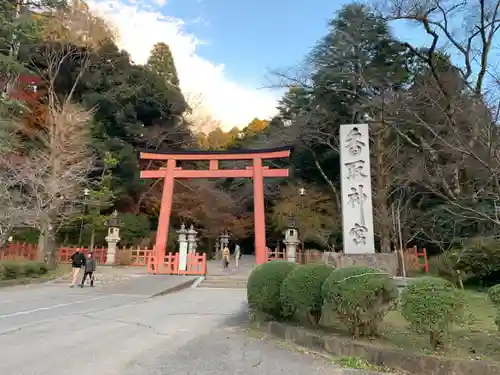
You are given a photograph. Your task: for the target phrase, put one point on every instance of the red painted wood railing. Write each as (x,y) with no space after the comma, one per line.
(196,265)
(125,256)
(421,257)
(18,250)
(423,261)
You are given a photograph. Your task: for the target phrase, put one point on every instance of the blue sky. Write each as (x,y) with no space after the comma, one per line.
(251,37)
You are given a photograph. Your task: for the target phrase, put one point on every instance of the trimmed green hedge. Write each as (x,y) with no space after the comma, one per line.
(360,297)
(301,291)
(431,305)
(494,295)
(16,270)
(264,285)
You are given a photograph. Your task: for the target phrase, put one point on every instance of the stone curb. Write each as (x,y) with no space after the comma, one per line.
(412,363)
(45,279)
(176,288)
(24,281)
(198,281)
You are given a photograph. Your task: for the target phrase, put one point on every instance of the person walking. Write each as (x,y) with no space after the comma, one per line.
(237,255)
(225,257)
(90,267)
(77,262)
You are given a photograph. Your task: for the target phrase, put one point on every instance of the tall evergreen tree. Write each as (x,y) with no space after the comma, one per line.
(356,68)
(162,62)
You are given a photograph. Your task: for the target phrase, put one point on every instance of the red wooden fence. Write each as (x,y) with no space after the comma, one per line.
(281,255)
(139,257)
(100,254)
(18,250)
(419,256)
(196,263)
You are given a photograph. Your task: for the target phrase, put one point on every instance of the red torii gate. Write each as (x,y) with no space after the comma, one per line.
(257,172)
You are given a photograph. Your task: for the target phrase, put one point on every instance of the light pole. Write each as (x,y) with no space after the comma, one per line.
(86,193)
(302,194)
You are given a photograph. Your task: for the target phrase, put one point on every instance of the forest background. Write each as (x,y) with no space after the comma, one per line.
(75,110)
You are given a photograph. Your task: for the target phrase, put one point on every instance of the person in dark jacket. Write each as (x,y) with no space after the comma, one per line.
(90,266)
(77,262)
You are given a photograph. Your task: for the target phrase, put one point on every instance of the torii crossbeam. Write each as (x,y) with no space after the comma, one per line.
(257,172)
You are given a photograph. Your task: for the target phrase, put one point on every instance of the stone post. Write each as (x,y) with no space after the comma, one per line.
(183,247)
(112,238)
(291,242)
(217,248)
(191,239)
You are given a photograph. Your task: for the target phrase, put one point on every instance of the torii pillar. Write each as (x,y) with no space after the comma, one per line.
(257,172)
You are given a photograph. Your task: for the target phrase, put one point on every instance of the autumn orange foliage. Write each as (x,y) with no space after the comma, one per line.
(210,209)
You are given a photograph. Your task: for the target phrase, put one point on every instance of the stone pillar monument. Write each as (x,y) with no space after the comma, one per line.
(291,242)
(191,239)
(113,237)
(357,211)
(183,247)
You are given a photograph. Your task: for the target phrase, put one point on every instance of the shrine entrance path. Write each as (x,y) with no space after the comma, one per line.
(246,265)
(194,331)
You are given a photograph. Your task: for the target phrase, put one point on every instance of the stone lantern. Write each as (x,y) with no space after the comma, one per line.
(224,240)
(113,237)
(191,239)
(291,241)
(183,247)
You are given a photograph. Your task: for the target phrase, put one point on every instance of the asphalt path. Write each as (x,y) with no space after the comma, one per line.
(55,330)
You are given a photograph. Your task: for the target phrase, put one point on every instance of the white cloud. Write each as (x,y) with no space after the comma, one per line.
(141,26)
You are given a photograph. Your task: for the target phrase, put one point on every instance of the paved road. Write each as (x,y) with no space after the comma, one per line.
(54,330)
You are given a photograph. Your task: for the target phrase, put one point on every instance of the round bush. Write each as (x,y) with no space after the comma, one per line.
(360,297)
(494,294)
(43,268)
(478,260)
(301,291)
(444,265)
(431,305)
(30,269)
(264,284)
(10,270)
(35,269)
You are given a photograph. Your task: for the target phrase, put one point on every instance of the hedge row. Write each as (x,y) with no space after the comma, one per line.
(494,294)
(359,298)
(16,270)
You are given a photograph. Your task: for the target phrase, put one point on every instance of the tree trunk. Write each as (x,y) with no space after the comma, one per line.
(46,245)
(92,240)
(50,249)
(381,185)
(314,317)
(436,340)
(459,280)
(41,246)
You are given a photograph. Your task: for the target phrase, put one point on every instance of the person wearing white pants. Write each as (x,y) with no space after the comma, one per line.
(77,262)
